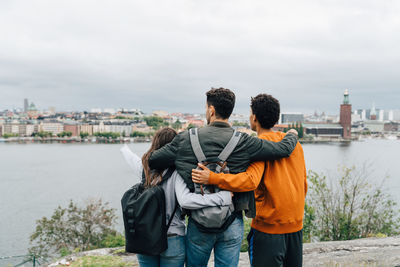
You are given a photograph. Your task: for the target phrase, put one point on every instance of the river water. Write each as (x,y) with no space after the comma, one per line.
(36,178)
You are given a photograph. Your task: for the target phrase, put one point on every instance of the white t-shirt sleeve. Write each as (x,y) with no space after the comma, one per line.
(133,161)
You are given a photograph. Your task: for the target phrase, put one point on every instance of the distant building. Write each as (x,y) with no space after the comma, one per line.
(394,115)
(72,127)
(32,111)
(109,110)
(329,130)
(196,123)
(239,118)
(345,116)
(374,126)
(292,117)
(95,110)
(52,110)
(391,126)
(26,105)
(160,113)
(86,128)
(55,127)
(280,127)
(372,116)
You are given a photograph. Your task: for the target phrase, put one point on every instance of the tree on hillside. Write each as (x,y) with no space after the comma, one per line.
(177,125)
(155,122)
(75,229)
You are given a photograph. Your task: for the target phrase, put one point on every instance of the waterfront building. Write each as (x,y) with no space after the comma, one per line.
(53,126)
(324,130)
(123,128)
(141,127)
(345,116)
(291,117)
(72,127)
(86,128)
(31,128)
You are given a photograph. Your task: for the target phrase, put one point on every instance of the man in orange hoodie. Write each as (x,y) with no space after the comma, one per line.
(280,187)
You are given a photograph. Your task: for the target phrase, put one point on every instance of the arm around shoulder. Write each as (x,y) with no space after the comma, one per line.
(164,157)
(261,150)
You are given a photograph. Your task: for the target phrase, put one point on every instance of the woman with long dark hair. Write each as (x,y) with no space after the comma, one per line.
(176,193)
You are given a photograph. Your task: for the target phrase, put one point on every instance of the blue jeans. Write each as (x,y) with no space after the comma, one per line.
(226,245)
(174,256)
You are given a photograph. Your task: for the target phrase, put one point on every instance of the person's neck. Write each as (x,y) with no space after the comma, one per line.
(219,120)
(261,131)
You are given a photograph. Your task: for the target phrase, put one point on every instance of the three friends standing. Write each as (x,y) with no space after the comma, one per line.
(267,176)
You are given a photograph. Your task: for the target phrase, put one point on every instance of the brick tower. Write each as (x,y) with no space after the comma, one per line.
(345,115)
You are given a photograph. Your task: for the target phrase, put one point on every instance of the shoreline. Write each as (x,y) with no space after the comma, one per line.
(74,140)
(103,140)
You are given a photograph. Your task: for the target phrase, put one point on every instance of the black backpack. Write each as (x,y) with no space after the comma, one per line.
(144,217)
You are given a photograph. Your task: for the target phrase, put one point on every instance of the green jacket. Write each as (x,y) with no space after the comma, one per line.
(213,138)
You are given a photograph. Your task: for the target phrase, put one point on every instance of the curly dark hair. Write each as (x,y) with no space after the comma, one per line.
(223,101)
(266,108)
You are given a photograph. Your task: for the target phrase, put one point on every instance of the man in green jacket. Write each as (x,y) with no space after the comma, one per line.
(227,240)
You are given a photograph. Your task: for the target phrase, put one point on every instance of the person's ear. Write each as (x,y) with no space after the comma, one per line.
(254,118)
(211,110)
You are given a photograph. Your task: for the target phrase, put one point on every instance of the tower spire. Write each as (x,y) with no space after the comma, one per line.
(346,97)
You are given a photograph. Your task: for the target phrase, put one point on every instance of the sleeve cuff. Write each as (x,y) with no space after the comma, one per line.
(214,178)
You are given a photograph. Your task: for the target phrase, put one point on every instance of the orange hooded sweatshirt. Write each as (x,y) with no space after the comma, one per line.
(280,194)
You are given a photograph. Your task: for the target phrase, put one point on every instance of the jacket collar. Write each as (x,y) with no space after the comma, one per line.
(220,124)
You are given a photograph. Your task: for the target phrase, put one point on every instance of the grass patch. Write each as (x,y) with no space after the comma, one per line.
(247,226)
(100,261)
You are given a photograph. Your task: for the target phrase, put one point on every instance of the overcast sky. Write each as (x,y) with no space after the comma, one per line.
(77,55)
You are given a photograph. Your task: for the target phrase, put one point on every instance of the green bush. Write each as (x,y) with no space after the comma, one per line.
(113,241)
(63,134)
(75,229)
(8,135)
(84,135)
(247,226)
(349,206)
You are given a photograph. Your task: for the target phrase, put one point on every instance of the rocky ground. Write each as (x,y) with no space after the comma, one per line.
(360,252)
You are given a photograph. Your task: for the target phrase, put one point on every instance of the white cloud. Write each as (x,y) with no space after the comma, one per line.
(151,54)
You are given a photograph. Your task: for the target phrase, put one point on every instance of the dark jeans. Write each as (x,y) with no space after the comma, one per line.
(226,245)
(280,250)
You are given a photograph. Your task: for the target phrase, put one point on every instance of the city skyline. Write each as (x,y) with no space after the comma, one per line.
(27,103)
(159,55)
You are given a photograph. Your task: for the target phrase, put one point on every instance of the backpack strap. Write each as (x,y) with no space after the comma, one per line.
(194,141)
(172,216)
(230,146)
(167,175)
